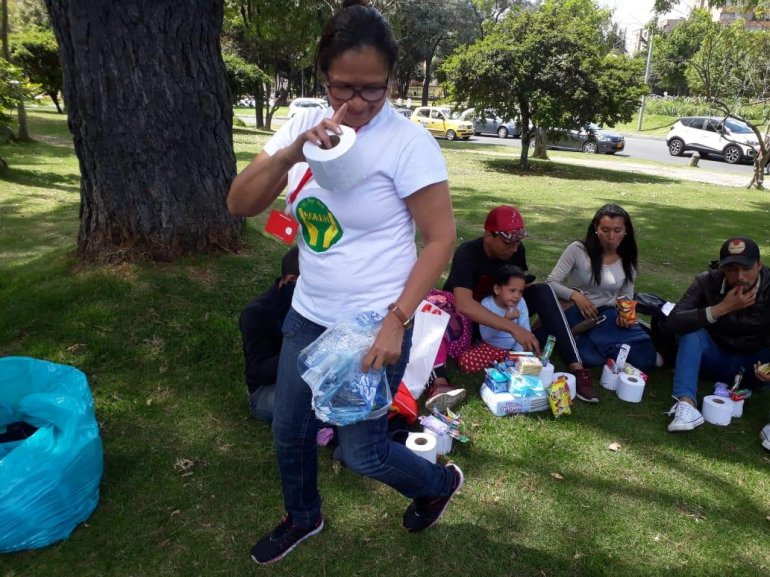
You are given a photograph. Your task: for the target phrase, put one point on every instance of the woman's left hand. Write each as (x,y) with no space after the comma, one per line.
(386,349)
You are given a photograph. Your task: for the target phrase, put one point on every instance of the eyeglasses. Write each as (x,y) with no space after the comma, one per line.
(346,92)
(511,237)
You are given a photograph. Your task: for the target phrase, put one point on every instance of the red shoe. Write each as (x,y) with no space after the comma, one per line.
(443,396)
(585,386)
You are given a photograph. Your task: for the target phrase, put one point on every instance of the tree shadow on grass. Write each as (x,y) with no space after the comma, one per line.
(553,169)
(49,180)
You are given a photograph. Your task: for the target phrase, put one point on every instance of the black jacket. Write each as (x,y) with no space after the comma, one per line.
(746,330)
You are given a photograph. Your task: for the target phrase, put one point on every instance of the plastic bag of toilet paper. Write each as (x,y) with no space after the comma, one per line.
(50,453)
(331,366)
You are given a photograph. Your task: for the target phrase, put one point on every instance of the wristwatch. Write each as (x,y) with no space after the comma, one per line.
(399,314)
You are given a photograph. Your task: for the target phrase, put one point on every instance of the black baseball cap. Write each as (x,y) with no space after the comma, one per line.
(739,250)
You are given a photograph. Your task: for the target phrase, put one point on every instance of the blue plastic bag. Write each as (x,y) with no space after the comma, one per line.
(331,366)
(49,481)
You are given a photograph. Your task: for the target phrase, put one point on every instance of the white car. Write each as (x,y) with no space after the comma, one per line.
(300,104)
(728,137)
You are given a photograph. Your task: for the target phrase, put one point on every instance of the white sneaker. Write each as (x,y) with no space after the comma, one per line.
(765,436)
(686,417)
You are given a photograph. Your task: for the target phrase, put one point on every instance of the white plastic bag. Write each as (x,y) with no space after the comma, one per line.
(430,323)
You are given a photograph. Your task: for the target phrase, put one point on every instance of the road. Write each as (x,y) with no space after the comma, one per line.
(644,149)
(651,149)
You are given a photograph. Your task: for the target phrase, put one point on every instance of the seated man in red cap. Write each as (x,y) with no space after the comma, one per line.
(471,277)
(724,324)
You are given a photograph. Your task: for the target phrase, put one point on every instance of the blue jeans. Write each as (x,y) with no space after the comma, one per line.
(603,341)
(365,446)
(698,352)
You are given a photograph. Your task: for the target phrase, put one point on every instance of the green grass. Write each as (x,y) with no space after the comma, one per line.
(652,125)
(160,345)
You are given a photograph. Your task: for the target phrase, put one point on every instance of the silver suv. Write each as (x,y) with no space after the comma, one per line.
(727,137)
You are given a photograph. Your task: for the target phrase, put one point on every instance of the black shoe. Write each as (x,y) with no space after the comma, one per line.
(425,512)
(281,540)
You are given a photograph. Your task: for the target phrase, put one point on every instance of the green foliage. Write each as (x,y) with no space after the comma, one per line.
(551,66)
(11,80)
(242,77)
(190,481)
(29,15)
(37,53)
(673,51)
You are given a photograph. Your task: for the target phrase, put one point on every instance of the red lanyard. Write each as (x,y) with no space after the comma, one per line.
(303,181)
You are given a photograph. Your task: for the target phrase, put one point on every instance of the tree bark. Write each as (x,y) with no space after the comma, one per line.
(149,110)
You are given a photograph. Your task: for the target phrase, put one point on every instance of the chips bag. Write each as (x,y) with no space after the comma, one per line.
(558,397)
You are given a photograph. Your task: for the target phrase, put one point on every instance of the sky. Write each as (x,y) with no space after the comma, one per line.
(634,14)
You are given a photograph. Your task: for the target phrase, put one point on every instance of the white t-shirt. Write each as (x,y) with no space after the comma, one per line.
(502,339)
(357,248)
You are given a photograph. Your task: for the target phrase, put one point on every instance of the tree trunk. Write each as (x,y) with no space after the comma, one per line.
(540,142)
(55,99)
(150,114)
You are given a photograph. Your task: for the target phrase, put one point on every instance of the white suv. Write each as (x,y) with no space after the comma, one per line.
(728,137)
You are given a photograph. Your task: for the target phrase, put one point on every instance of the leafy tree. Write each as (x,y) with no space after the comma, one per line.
(30,15)
(429,25)
(279,37)
(150,114)
(241,76)
(9,75)
(37,53)
(549,66)
(673,51)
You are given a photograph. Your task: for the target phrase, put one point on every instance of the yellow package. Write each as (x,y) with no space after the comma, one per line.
(558,397)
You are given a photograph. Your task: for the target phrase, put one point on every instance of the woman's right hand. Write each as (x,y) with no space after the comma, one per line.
(584,305)
(318,135)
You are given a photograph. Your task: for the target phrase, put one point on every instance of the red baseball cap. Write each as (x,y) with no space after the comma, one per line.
(505,219)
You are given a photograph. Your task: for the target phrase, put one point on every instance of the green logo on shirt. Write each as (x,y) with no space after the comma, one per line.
(319,227)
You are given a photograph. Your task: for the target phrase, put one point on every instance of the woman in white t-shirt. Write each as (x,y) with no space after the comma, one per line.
(593,274)
(357,252)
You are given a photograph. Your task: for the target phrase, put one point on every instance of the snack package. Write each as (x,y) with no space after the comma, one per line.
(558,397)
(528,365)
(626,309)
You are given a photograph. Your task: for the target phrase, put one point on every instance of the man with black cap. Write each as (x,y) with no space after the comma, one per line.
(724,323)
(471,277)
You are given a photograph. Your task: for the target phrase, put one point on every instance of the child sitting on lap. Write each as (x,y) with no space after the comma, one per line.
(507,302)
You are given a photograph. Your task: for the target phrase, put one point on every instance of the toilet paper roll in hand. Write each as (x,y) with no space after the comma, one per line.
(630,388)
(338,168)
(571,382)
(422,444)
(717,410)
(609,380)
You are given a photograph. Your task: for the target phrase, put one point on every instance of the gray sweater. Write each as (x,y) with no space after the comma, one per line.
(574,267)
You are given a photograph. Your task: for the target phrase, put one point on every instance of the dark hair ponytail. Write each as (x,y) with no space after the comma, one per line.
(355,26)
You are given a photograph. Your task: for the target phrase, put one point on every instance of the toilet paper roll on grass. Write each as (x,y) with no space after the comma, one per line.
(422,444)
(609,380)
(338,168)
(717,410)
(443,441)
(630,388)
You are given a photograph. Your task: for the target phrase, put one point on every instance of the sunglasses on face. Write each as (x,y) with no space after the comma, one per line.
(511,237)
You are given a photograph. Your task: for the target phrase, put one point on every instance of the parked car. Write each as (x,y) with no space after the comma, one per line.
(592,139)
(490,123)
(727,137)
(407,112)
(439,122)
(247,101)
(299,104)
